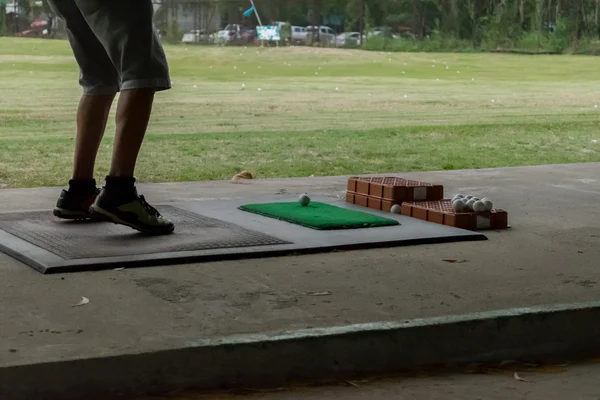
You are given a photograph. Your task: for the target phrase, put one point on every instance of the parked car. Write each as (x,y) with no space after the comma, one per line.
(230,33)
(383,31)
(249,36)
(320,34)
(197,36)
(348,39)
(298,34)
(37,29)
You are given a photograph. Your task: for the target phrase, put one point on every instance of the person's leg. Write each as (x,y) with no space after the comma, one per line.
(126,30)
(92,116)
(100,82)
(133,114)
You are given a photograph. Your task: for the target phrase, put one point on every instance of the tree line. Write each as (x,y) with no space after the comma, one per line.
(552,24)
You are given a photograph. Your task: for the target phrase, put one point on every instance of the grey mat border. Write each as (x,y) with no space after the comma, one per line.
(31,254)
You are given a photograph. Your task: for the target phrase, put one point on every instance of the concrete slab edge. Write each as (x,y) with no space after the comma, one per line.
(270,359)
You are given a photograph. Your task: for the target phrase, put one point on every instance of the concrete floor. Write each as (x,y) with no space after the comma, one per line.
(579,382)
(549,256)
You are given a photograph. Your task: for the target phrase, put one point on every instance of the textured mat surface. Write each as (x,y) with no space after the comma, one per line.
(73,240)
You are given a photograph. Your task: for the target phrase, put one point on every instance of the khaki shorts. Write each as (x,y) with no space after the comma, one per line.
(115,44)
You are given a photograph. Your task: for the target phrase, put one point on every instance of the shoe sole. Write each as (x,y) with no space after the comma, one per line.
(99,213)
(71,215)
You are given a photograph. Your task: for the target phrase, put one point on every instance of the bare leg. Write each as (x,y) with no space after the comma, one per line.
(133,113)
(92,116)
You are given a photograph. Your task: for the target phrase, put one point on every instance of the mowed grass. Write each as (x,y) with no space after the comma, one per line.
(319,112)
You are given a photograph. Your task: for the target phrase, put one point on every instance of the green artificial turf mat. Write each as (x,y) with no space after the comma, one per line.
(318,215)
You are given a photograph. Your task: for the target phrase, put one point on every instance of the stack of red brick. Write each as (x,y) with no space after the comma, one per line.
(419,200)
(383,193)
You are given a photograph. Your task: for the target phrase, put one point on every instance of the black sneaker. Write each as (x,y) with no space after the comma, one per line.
(74,206)
(136,213)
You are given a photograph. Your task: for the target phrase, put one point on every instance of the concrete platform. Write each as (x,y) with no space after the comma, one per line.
(549,256)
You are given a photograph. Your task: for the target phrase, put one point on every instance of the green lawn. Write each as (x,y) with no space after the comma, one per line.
(319,112)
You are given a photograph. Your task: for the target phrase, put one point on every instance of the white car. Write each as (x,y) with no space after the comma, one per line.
(298,34)
(324,34)
(196,36)
(383,32)
(348,39)
(230,33)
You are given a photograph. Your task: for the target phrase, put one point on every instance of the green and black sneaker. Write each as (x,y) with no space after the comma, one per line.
(134,212)
(74,206)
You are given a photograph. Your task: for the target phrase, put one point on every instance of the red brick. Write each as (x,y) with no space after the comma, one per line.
(350,197)
(499,219)
(351,184)
(386,205)
(406,209)
(360,200)
(463,221)
(362,187)
(395,193)
(374,203)
(376,190)
(436,192)
(435,216)
(420,213)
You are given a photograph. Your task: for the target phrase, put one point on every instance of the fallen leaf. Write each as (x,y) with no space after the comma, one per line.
(84,301)
(326,293)
(517,377)
(119,269)
(455,261)
(242,175)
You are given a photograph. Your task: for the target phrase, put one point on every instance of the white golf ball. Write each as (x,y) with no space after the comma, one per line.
(304,200)
(475,198)
(478,206)
(470,204)
(259,89)
(458,205)
(489,206)
(396,209)
(460,196)
(468,197)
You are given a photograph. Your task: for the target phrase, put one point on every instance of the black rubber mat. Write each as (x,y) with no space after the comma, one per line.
(77,240)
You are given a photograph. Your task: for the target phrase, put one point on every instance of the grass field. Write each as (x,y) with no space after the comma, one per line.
(319,112)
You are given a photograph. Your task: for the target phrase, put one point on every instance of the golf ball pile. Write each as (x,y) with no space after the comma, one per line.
(469,203)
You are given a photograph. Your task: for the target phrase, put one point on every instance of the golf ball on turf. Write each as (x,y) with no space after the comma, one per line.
(395,209)
(468,197)
(304,200)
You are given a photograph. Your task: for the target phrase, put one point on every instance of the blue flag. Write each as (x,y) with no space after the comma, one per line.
(248,11)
